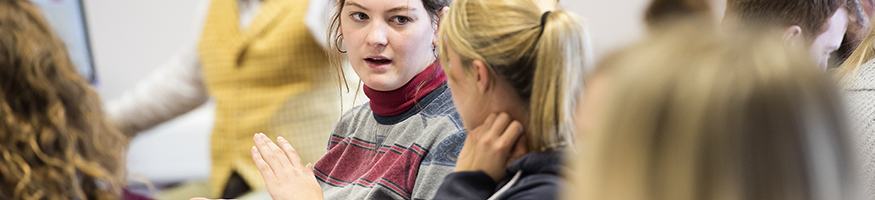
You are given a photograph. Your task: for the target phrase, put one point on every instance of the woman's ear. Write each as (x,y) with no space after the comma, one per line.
(444,11)
(481,76)
(792,36)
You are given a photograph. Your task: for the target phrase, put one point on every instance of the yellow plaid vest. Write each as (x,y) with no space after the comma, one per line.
(271,78)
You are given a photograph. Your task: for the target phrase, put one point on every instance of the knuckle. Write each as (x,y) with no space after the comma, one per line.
(497,149)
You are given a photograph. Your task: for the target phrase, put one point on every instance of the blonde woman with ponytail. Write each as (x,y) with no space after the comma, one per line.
(515,69)
(857,76)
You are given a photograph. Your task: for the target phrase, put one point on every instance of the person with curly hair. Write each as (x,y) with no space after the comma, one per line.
(54,140)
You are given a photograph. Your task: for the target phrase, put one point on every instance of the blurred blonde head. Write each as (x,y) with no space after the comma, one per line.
(543,64)
(663,12)
(54,141)
(690,114)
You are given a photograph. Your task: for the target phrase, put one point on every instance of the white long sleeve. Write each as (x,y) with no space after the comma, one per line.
(177,87)
(171,90)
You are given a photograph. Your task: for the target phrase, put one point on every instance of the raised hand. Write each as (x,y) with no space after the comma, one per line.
(281,168)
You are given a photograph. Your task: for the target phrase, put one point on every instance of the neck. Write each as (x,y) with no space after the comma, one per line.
(505,99)
(391,103)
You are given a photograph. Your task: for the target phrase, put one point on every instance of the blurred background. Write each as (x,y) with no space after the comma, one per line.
(130,39)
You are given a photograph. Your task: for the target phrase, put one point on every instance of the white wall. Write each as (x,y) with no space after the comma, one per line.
(131,38)
(612,24)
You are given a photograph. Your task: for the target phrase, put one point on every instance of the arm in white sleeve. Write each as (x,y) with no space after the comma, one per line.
(172,90)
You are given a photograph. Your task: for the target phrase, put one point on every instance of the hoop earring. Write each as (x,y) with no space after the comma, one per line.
(337,43)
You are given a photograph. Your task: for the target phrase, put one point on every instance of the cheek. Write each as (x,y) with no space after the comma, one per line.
(352,39)
(415,46)
(816,51)
(458,95)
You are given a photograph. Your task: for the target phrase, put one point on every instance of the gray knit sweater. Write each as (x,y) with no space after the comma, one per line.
(860,99)
(396,157)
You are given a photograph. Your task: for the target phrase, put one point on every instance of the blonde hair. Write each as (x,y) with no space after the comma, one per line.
(691,114)
(544,63)
(54,140)
(865,52)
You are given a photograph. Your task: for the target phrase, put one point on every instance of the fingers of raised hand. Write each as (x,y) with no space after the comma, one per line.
(266,172)
(290,152)
(271,153)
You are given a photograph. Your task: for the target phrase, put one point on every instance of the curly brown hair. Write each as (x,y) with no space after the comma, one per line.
(54,140)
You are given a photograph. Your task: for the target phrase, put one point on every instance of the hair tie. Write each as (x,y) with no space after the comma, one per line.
(543,22)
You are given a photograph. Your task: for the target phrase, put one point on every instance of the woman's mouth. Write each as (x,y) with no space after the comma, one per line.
(377,62)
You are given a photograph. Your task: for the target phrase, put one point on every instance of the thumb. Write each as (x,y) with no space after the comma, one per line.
(309,169)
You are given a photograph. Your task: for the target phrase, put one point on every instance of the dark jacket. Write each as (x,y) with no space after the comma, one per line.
(538,179)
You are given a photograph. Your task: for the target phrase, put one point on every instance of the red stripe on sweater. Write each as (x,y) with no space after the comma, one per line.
(349,163)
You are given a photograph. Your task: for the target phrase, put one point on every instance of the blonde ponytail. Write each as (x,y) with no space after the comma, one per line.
(542,56)
(561,55)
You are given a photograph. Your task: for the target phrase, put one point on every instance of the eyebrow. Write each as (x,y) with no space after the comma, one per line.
(396,9)
(401,8)
(356,5)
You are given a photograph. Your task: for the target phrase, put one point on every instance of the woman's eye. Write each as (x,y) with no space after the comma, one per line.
(401,20)
(359,16)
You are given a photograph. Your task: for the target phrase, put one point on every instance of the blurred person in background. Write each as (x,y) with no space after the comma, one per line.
(693,114)
(261,64)
(858,25)
(857,78)
(818,26)
(54,140)
(664,12)
(516,70)
(670,10)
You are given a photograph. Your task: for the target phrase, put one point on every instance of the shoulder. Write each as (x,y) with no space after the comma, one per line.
(864,78)
(442,105)
(535,186)
(444,135)
(440,115)
(352,118)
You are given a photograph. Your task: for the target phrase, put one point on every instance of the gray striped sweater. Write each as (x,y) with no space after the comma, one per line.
(396,157)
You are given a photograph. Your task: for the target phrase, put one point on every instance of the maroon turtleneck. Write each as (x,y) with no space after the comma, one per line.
(395,102)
